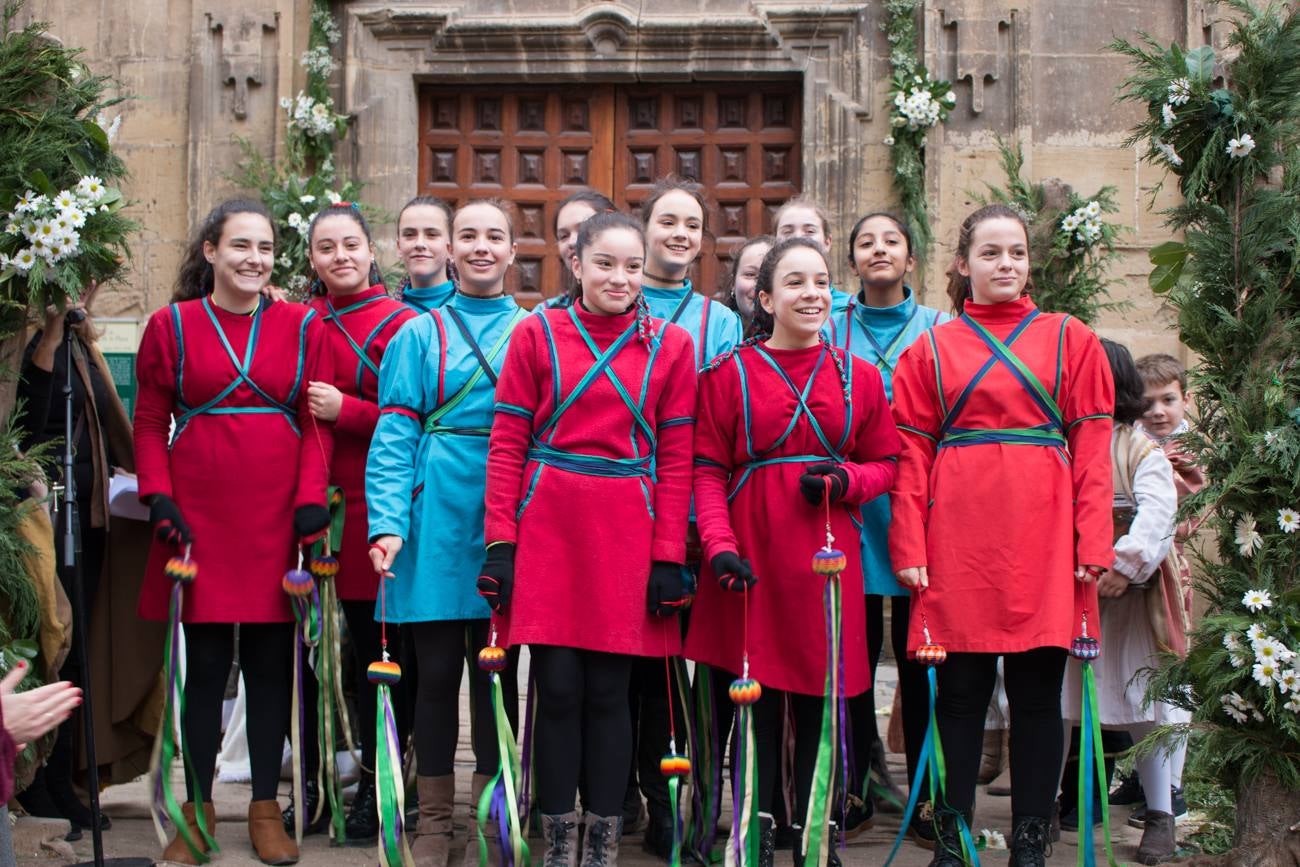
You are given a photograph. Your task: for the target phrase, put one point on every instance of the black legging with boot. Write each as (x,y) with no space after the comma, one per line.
(1033,684)
(583,724)
(442,648)
(266,659)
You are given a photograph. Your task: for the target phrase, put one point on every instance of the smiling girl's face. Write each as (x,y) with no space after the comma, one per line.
(998,262)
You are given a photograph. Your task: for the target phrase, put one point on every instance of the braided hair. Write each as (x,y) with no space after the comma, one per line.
(342,209)
(761,326)
(591,229)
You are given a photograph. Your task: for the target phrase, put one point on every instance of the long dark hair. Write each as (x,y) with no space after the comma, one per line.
(898,222)
(959,284)
(591,229)
(1130,392)
(342,209)
(763,323)
(598,201)
(433,202)
(195,277)
(671,183)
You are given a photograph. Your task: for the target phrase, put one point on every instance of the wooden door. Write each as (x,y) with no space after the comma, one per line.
(534,145)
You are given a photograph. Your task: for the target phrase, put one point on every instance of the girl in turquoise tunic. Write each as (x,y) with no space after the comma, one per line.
(802,217)
(425,480)
(880,322)
(423,239)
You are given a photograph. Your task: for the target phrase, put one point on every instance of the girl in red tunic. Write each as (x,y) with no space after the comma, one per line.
(588,492)
(241,483)
(1001,514)
(360,319)
(779,416)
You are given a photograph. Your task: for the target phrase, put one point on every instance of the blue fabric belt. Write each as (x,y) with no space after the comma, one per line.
(590,465)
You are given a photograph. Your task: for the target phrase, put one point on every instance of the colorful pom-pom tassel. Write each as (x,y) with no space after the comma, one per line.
(931,654)
(181,570)
(829,562)
(298,582)
(492,658)
(1085,647)
(336,497)
(383,671)
(323,567)
(744,690)
(675,765)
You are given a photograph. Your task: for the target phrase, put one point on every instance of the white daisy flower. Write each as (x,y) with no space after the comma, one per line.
(29,202)
(1237,660)
(1288,520)
(307,199)
(333,197)
(1265,673)
(74,216)
(65,200)
(1180,91)
(993,839)
(1289,680)
(90,188)
(24,261)
(1231,643)
(1092,209)
(1167,114)
(950,98)
(295,220)
(1268,649)
(284,261)
(1255,631)
(1248,539)
(1293,705)
(1240,147)
(1257,600)
(12,228)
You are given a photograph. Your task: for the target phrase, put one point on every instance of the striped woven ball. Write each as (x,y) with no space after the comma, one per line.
(336,497)
(744,690)
(180,570)
(298,582)
(829,562)
(492,658)
(1085,647)
(675,765)
(931,654)
(383,671)
(323,567)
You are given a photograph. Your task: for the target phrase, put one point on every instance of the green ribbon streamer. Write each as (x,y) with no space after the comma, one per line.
(821,798)
(507,775)
(674,797)
(745,837)
(388,784)
(1092,761)
(165,746)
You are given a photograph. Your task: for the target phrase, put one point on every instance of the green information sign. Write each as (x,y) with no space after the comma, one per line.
(122,366)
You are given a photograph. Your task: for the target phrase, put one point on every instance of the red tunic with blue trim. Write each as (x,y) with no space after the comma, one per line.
(246,450)
(764,416)
(1003,487)
(589,474)
(358,328)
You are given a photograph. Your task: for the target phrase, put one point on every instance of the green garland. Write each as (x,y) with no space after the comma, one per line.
(1235,151)
(1071,244)
(306,179)
(917,102)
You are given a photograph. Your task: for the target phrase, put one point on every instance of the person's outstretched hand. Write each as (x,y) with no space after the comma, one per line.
(28,715)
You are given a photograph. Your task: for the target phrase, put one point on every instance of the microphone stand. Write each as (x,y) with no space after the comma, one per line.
(70,566)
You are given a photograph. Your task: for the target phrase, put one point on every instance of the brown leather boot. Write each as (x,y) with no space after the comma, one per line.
(491,832)
(177,850)
(266,830)
(431,843)
(1158,842)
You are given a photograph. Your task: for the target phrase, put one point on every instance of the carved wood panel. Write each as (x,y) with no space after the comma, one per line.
(532,146)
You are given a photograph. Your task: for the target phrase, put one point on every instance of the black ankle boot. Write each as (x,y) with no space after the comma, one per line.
(947,843)
(1029,841)
(362,825)
(312,797)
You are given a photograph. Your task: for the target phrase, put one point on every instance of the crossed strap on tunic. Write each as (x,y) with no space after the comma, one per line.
(704,325)
(886,356)
(242,368)
(643,435)
(757,460)
(364,361)
(1050,434)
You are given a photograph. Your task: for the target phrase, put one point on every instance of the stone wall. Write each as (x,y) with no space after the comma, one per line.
(204,72)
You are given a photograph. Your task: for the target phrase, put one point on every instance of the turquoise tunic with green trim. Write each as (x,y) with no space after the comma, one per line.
(425,474)
(714,328)
(422,299)
(878,335)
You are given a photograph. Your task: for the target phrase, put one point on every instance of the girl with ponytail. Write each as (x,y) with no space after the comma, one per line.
(779,417)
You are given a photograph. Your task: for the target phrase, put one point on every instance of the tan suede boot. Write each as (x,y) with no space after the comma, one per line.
(177,850)
(266,831)
(491,832)
(561,836)
(431,843)
(600,842)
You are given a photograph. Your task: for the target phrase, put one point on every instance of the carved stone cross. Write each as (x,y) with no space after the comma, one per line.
(977,45)
(241,52)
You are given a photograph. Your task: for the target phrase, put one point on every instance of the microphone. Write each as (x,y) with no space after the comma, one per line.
(75,316)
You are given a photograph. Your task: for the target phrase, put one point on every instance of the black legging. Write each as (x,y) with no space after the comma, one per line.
(583,725)
(364,639)
(266,659)
(911,684)
(1033,683)
(442,648)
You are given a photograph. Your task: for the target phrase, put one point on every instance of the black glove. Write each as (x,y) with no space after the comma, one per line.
(812,484)
(168,525)
(310,521)
(497,577)
(665,594)
(733,573)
